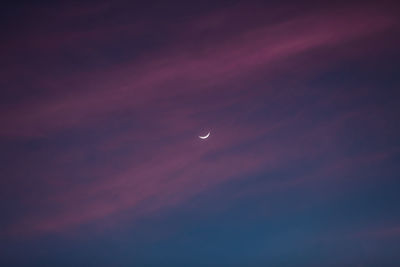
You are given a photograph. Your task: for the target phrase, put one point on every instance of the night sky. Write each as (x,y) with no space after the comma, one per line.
(102,104)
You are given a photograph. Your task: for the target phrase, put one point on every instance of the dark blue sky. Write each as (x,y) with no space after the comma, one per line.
(102,104)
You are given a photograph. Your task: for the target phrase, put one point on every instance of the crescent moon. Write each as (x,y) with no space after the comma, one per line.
(204,137)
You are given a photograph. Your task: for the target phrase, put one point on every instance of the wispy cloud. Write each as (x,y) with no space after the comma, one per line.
(144,114)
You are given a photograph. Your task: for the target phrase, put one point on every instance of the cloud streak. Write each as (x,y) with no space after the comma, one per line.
(122,138)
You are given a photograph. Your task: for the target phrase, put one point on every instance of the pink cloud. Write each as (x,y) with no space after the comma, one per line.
(136,85)
(173,95)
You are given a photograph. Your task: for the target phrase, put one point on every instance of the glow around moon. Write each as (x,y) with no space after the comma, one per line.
(205,136)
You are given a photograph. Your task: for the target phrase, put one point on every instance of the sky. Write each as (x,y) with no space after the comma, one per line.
(102,103)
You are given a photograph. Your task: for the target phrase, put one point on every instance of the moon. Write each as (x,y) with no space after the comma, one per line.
(205,136)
